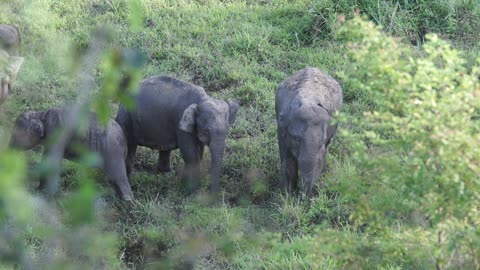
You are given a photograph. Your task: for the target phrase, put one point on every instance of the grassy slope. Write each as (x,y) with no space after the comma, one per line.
(233,51)
(241,49)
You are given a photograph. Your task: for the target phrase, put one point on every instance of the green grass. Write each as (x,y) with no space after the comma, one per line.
(234,49)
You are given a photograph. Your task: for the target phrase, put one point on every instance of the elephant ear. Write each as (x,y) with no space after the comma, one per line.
(187,123)
(233,109)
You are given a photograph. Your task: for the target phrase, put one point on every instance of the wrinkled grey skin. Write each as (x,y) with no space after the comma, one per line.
(9,39)
(304,105)
(34,128)
(173,114)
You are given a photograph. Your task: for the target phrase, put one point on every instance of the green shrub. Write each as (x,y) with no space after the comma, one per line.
(419,144)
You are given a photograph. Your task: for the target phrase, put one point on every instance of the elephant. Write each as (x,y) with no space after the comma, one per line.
(10,62)
(304,105)
(172,114)
(33,128)
(10,39)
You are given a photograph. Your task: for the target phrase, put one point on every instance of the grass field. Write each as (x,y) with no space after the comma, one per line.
(234,49)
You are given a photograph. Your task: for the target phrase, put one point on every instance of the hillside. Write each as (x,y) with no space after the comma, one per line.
(364,214)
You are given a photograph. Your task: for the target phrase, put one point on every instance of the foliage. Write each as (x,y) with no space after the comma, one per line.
(400,189)
(421,138)
(37,234)
(67,233)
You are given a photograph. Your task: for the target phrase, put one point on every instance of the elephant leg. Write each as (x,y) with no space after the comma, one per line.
(288,163)
(190,151)
(322,156)
(3,90)
(123,118)
(289,172)
(47,183)
(42,176)
(201,147)
(132,149)
(43,183)
(164,161)
(117,174)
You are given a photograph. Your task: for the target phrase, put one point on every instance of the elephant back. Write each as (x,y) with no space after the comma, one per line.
(311,85)
(163,85)
(167,95)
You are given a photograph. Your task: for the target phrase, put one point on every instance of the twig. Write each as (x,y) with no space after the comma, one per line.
(55,153)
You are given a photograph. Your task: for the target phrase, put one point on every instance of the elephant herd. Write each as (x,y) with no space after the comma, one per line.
(171,114)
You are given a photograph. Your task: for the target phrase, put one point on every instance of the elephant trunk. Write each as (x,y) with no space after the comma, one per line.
(217,149)
(309,172)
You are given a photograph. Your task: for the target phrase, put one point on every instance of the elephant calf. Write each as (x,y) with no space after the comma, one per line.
(304,105)
(9,39)
(173,114)
(34,128)
(10,62)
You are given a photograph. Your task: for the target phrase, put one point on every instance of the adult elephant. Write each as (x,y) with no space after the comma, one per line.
(304,105)
(34,128)
(172,114)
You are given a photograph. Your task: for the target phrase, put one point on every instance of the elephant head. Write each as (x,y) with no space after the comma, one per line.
(308,134)
(28,131)
(210,120)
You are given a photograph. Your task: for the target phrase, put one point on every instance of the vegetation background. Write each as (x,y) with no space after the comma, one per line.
(402,184)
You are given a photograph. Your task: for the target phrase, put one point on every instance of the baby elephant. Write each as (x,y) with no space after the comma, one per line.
(173,114)
(304,105)
(34,128)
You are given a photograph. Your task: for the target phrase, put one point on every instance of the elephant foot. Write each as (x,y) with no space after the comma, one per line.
(127,198)
(163,164)
(164,169)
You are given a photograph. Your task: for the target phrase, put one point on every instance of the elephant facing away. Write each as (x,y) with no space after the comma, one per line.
(10,62)
(173,114)
(304,105)
(34,128)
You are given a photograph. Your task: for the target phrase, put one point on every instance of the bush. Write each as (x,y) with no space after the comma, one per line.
(419,145)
